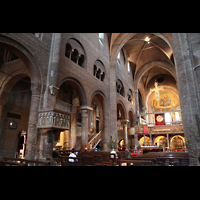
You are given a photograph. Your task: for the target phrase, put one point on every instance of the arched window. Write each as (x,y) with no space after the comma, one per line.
(68,50)
(81,60)
(75,52)
(99,70)
(130,96)
(75,55)
(120,87)
(98,73)
(95,70)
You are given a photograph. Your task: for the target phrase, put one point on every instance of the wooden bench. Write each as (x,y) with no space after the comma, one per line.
(174,161)
(7,163)
(146,157)
(65,161)
(36,162)
(168,158)
(135,162)
(66,152)
(100,158)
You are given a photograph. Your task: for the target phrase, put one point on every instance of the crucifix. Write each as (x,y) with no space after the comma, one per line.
(156,90)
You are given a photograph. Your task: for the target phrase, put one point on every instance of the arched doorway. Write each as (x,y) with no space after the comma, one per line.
(146,142)
(70,97)
(122,124)
(17,96)
(22,65)
(120,117)
(97,120)
(160,140)
(177,142)
(131,129)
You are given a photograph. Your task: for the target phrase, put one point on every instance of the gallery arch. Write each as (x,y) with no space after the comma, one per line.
(71,98)
(20,76)
(16,111)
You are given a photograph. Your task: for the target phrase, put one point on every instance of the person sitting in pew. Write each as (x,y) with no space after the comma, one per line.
(86,150)
(72,155)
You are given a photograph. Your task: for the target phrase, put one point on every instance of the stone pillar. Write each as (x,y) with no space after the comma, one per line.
(136,138)
(168,141)
(54,59)
(125,133)
(113,103)
(106,128)
(45,144)
(137,107)
(184,60)
(32,127)
(84,129)
(150,139)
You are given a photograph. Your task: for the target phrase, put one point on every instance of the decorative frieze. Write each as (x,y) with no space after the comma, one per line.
(52,119)
(161,129)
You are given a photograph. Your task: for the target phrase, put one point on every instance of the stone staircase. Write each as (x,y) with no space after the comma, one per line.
(94,140)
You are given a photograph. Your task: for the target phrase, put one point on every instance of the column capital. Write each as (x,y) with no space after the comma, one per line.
(85,108)
(124,122)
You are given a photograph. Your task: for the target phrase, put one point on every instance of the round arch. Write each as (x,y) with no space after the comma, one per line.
(100,94)
(29,69)
(118,43)
(160,140)
(122,109)
(118,40)
(147,141)
(79,87)
(29,61)
(178,144)
(162,64)
(131,117)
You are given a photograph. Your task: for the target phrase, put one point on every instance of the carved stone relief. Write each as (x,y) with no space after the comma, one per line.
(53,119)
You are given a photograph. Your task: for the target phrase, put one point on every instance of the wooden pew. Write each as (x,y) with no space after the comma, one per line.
(7,163)
(135,162)
(65,161)
(36,162)
(174,161)
(151,156)
(100,158)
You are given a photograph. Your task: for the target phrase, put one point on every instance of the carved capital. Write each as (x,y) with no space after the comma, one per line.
(84,113)
(52,119)
(124,122)
(85,110)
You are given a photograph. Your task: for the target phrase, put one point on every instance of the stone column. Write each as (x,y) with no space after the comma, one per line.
(137,107)
(168,141)
(113,103)
(184,60)
(32,127)
(45,144)
(54,59)
(150,139)
(84,129)
(136,138)
(125,133)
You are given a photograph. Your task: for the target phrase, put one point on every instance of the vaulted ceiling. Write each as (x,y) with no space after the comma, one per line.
(143,48)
